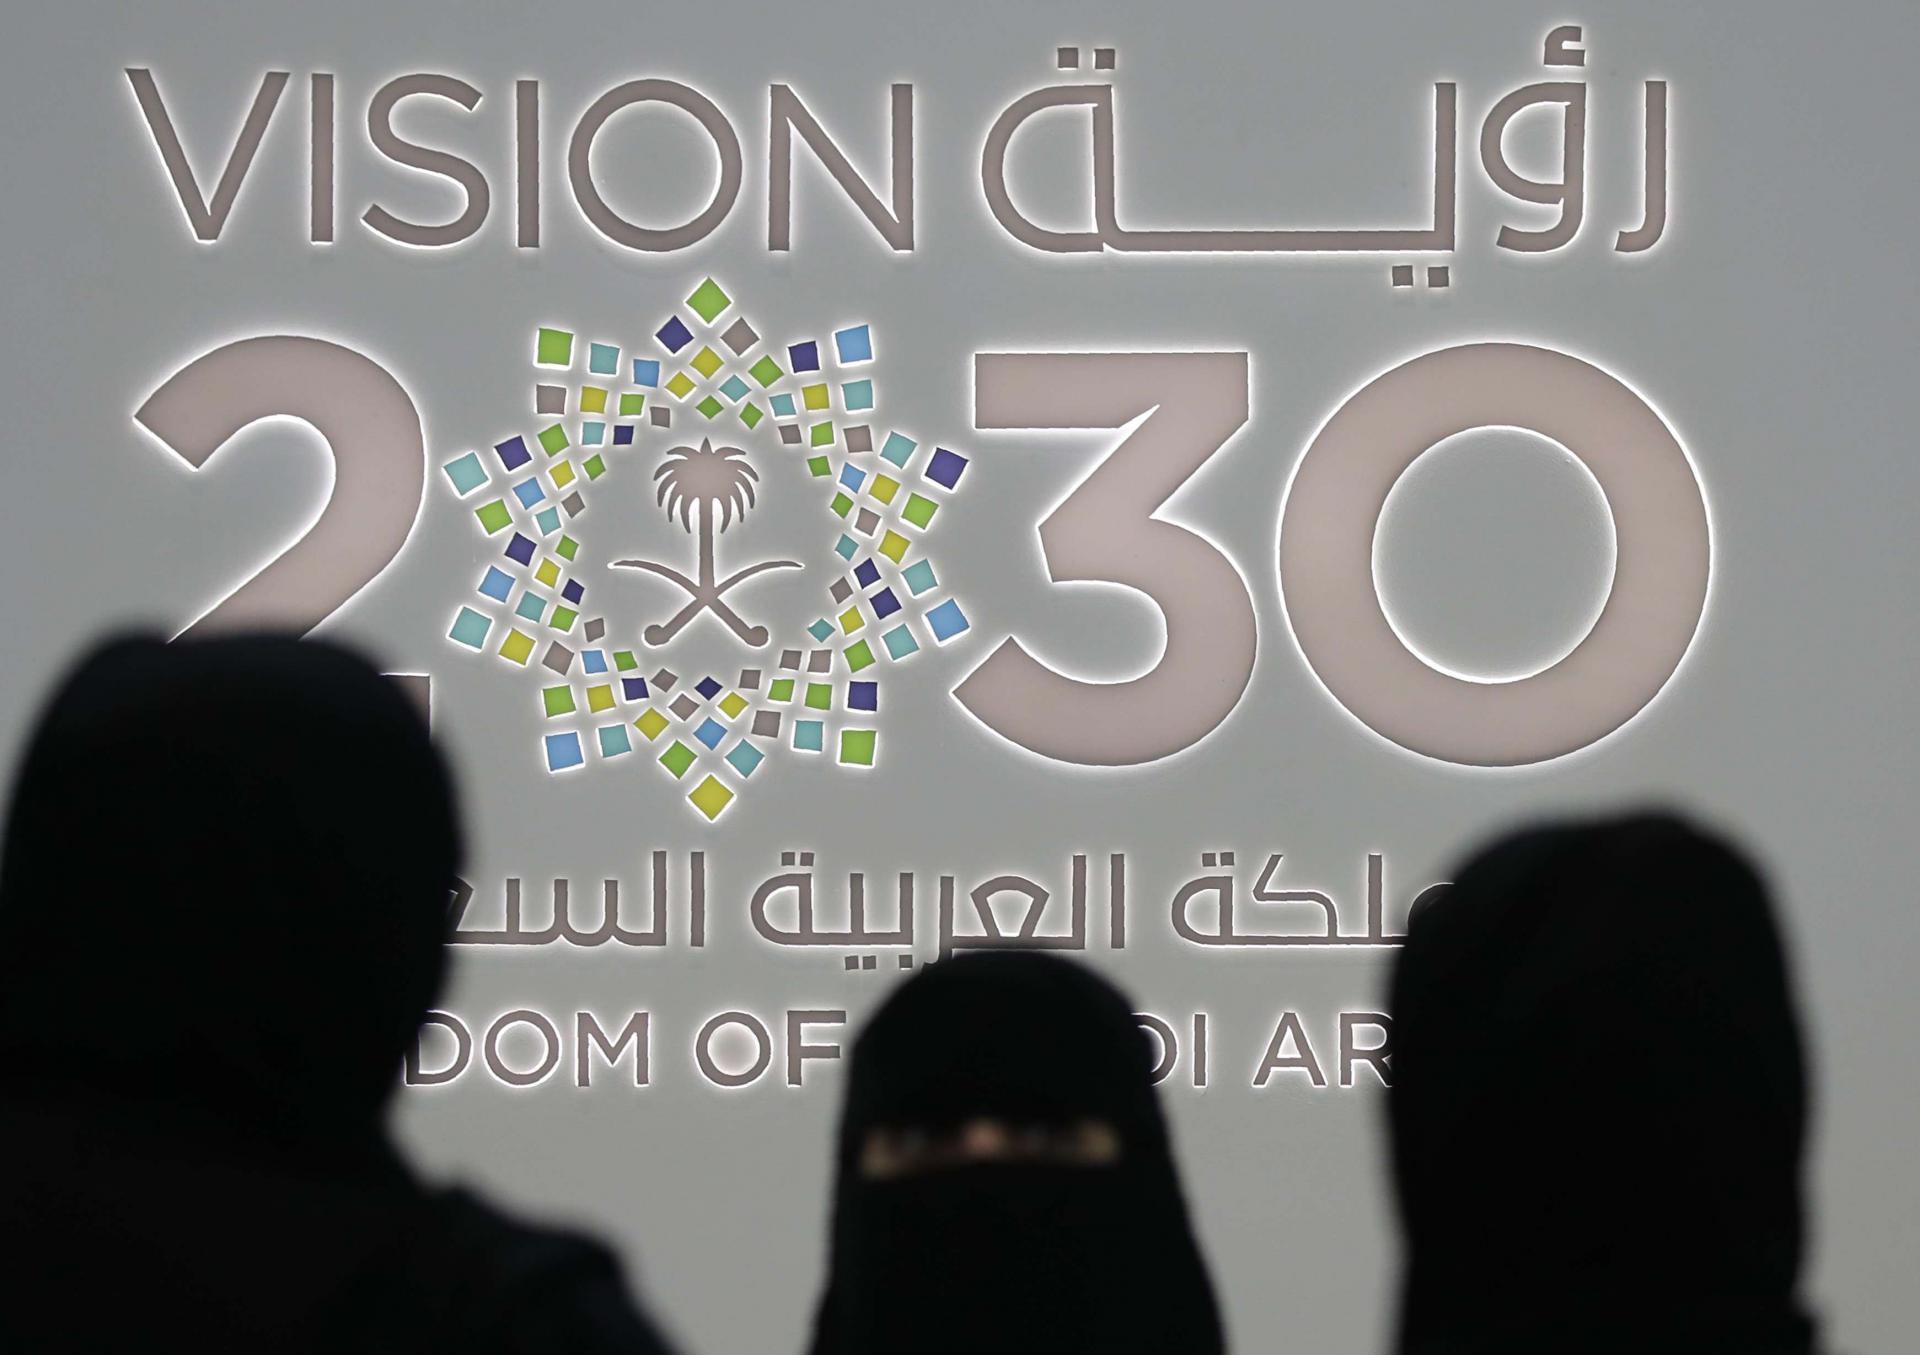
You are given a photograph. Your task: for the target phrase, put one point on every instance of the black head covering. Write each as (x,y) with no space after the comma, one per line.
(1011,1256)
(223,902)
(225,881)
(1599,1101)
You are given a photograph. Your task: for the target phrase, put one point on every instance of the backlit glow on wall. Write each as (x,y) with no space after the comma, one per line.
(860,484)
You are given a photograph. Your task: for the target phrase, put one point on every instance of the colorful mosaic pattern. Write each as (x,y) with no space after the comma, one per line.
(605,414)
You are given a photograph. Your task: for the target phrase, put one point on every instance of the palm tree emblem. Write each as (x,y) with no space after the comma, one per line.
(701,480)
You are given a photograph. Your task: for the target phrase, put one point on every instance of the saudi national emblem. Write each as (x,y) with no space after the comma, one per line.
(637,677)
(716,481)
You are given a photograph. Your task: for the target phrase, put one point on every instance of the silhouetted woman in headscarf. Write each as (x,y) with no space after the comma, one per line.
(1005,1181)
(1599,1102)
(223,902)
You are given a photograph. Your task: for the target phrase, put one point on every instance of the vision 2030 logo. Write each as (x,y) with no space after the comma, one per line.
(682,423)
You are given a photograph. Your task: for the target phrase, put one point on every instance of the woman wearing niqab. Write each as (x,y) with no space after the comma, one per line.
(1004,1178)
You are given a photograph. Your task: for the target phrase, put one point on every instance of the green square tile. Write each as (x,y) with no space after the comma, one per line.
(710,407)
(558,700)
(493,516)
(819,696)
(820,435)
(766,371)
(568,547)
(781,689)
(554,439)
(623,660)
(858,655)
(857,747)
(554,348)
(842,504)
(708,300)
(820,466)
(919,510)
(562,618)
(632,402)
(594,467)
(678,758)
(751,414)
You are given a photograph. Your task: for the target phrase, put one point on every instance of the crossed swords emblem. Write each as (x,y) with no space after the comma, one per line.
(701,480)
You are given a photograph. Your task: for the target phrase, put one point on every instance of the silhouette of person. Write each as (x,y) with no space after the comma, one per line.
(223,903)
(1599,1102)
(1005,1181)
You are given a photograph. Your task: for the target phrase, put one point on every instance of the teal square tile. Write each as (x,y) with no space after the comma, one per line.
(898,449)
(467,474)
(919,576)
(900,642)
(470,628)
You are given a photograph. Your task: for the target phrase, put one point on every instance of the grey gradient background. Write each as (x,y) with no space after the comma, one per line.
(1774,326)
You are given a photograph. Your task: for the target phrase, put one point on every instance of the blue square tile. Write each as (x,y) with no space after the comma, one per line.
(852,476)
(574,591)
(674,335)
(513,453)
(733,388)
(710,733)
(845,547)
(809,736)
(804,357)
(945,467)
(529,493)
(633,689)
(868,573)
(855,344)
(783,407)
(821,630)
(594,661)
(623,435)
(603,359)
(707,687)
(497,583)
(532,606)
(520,549)
(646,371)
(885,604)
(947,620)
(592,434)
(548,521)
(857,395)
(863,696)
(563,751)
